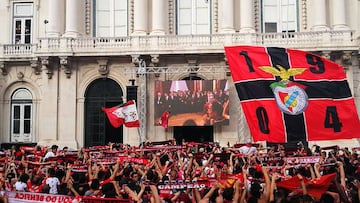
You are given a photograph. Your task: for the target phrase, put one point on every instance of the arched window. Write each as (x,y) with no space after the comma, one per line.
(21,116)
(98,130)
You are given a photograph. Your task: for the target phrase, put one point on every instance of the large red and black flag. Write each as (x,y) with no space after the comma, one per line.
(290,95)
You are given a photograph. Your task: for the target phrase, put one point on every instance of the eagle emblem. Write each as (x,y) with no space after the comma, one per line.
(290,97)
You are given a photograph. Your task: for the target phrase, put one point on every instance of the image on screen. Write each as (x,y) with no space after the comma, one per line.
(192,102)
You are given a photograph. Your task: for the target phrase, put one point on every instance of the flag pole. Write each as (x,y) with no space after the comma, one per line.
(138,129)
(140,141)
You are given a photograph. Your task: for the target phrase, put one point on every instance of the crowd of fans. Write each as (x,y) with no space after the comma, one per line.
(192,172)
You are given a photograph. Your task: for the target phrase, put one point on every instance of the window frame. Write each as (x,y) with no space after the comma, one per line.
(112,15)
(279,21)
(194,26)
(22,18)
(22,124)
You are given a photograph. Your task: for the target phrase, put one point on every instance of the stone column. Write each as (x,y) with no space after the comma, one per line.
(140,17)
(74,16)
(67,120)
(54,24)
(247,24)
(158,17)
(318,15)
(339,16)
(227,16)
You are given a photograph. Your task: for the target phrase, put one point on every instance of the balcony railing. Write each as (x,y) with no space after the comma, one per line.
(178,44)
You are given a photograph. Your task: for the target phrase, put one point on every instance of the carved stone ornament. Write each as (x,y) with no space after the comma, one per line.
(346,57)
(34,63)
(3,68)
(65,65)
(155,59)
(135,59)
(326,54)
(45,66)
(20,75)
(103,67)
(192,60)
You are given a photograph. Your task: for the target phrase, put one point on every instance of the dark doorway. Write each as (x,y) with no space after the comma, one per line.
(98,131)
(193,133)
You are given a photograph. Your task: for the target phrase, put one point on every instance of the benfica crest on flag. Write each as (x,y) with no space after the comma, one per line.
(290,95)
(125,114)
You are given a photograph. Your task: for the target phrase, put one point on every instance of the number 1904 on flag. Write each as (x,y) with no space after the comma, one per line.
(290,95)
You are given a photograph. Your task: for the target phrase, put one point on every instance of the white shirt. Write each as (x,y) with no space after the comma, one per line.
(20,186)
(49,154)
(53,182)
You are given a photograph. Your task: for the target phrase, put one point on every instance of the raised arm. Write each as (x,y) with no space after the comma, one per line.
(207,196)
(313,176)
(267,183)
(303,186)
(342,173)
(317,170)
(244,190)
(237,190)
(272,187)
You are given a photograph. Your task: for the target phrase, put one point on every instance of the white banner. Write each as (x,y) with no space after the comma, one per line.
(26,197)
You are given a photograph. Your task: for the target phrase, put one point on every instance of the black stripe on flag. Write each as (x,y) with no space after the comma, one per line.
(318,89)
(294,124)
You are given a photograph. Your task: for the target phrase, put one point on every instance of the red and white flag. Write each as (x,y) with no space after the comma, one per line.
(163,121)
(125,114)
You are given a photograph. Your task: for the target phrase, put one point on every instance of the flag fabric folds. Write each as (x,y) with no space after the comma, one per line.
(314,188)
(291,95)
(163,121)
(124,114)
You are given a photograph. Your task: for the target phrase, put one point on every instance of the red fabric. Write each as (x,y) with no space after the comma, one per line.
(18,153)
(314,103)
(125,114)
(314,188)
(164,119)
(277,133)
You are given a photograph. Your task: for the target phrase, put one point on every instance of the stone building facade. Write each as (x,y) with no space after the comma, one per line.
(61,60)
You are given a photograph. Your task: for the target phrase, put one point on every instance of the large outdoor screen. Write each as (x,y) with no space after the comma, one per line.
(192,102)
